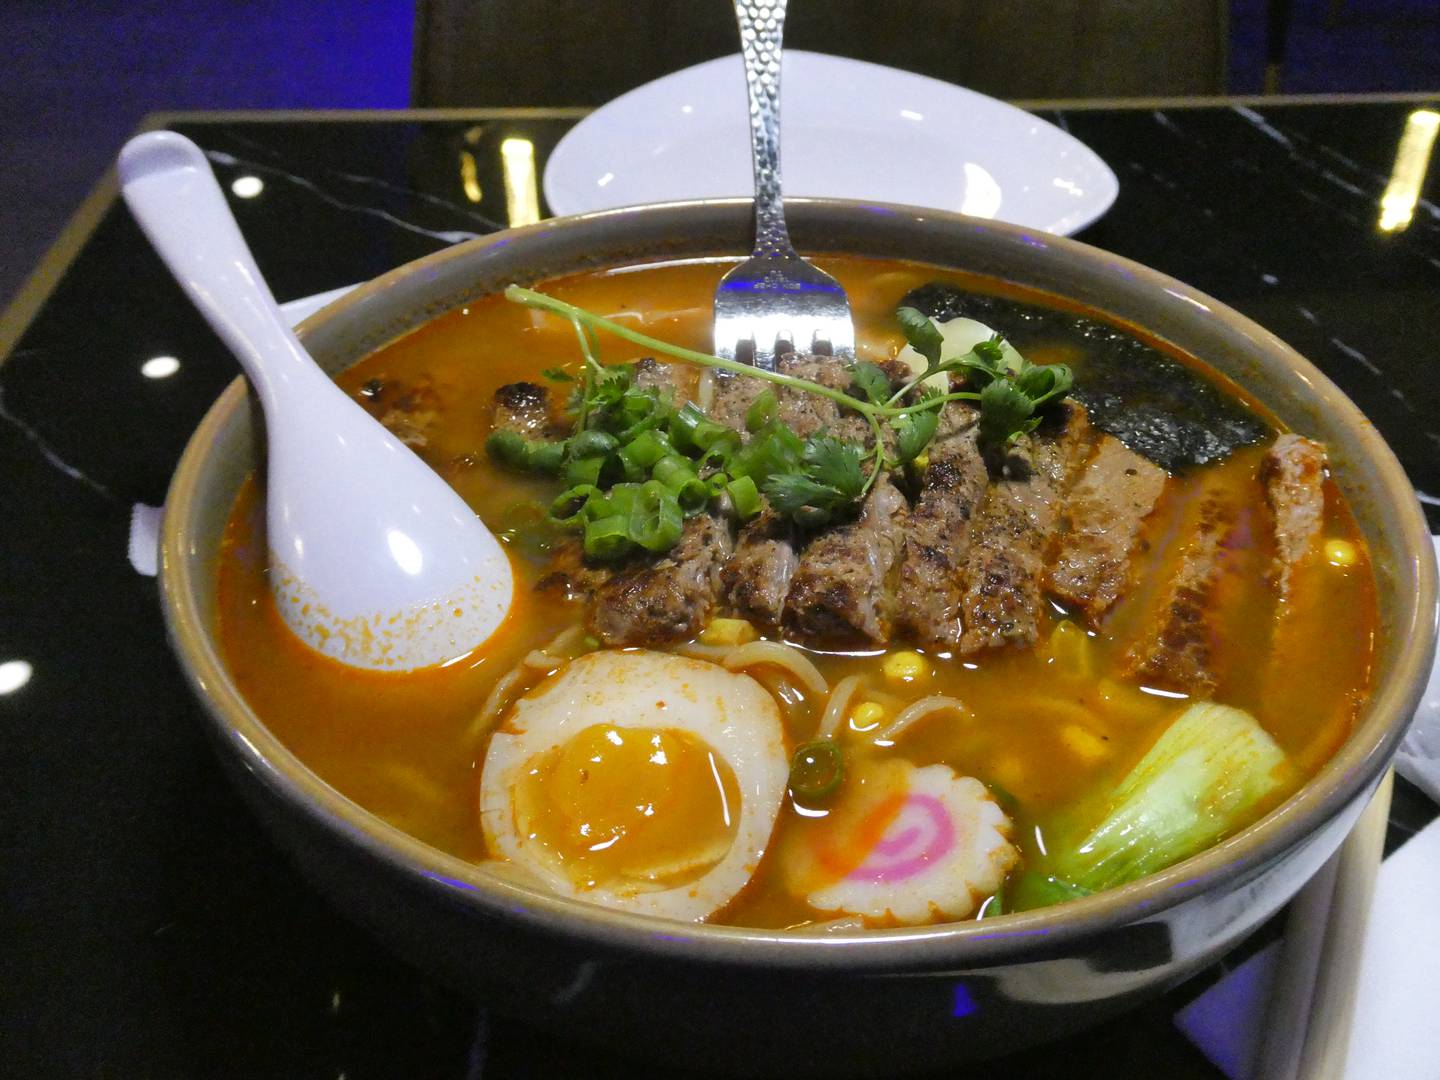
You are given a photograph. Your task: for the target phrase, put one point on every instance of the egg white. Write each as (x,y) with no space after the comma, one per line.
(730,712)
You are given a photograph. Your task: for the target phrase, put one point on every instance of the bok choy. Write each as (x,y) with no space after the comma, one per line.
(1198,782)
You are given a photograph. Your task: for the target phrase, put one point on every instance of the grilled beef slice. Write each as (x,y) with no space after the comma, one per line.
(653,599)
(524,407)
(757,576)
(931,585)
(1293,472)
(731,398)
(1174,649)
(676,382)
(841,590)
(1009,538)
(409,412)
(802,412)
(1100,527)
(668,597)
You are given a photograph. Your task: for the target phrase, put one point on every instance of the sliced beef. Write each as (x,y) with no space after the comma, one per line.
(1100,527)
(676,382)
(570,574)
(1293,472)
(668,597)
(807,414)
(841,591)
(1175,647)
(732,397)
(757,576)
(410,413)
(1005,564)
(802,412)
(931,585)
(523,407)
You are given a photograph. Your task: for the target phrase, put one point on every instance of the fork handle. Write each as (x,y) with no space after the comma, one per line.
(761,24)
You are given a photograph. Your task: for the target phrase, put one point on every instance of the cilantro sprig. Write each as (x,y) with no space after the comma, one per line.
(636,465)
(1011,390)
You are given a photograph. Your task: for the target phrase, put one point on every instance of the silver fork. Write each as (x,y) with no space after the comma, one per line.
(774,301)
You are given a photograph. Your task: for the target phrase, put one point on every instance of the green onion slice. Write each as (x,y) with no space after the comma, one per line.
(745,497)
(607,538)
(762,410)
(673,470)
(617,502)
(547,457)
(656,520)
(647,448)
(816,769)
(508,448)
(583,471)
(568,509)
(592,444)
(684,424)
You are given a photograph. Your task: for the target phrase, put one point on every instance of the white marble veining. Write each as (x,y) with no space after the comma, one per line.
(448,236)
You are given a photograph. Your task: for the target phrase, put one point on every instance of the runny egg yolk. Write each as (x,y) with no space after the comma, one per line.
(630,808)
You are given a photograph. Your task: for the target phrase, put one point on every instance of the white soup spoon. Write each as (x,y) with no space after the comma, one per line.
(374,560)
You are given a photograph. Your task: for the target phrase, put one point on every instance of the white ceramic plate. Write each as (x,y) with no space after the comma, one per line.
(852,130)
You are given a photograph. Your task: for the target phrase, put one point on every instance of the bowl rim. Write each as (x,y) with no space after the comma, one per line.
(1352,771)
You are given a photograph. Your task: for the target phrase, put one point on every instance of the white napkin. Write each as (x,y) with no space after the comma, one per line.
(1398,1002)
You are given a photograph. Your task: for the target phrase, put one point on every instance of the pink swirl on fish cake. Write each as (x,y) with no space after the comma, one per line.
(909,847)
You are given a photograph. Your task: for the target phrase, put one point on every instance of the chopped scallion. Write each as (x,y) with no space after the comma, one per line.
(583,471)
(656,520)
(568,509)
(744,496)
(816,769)
(592,444)
(607,538)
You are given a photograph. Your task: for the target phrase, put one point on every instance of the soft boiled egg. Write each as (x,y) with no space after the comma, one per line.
(638,780)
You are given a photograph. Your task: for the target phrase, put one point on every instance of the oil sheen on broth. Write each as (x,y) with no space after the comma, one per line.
(1049,731)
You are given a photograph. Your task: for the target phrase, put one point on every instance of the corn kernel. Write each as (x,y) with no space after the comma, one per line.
(867,715)
(905,666)
(1009,772)
(1084,744)
(1341,553)
(728,632)
(1070,650)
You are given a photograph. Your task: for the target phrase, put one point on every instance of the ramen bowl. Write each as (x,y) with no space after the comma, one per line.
(740,999)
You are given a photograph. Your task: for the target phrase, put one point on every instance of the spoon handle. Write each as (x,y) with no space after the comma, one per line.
(762,22)
(173,194)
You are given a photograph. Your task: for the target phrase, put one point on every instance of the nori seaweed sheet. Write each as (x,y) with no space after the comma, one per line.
(1152,403)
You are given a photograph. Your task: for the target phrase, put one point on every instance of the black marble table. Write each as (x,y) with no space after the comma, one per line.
(147,928)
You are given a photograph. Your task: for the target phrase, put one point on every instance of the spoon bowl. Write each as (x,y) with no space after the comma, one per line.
(374,560)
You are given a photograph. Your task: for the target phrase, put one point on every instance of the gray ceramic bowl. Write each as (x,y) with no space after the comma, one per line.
(738,999)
